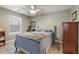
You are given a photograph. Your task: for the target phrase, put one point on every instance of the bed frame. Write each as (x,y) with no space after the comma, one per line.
(30,45)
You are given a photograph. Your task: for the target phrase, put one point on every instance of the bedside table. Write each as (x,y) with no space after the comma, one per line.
(2,37)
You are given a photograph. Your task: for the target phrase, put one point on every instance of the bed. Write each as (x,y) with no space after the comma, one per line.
(34,42)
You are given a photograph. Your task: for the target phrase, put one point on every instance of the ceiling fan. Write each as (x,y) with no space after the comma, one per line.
(33,9)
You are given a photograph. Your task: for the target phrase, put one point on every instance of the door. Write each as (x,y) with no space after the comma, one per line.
(70,36)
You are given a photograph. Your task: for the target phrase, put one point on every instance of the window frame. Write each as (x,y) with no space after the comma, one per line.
(11,33)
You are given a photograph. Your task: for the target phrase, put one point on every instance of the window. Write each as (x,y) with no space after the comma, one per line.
(14,24)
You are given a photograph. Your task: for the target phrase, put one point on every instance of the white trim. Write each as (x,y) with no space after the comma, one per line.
(9,41)
(58,41)
(15,33)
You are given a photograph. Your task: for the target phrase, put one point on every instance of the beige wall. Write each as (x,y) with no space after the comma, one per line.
(53,19)
(4,22)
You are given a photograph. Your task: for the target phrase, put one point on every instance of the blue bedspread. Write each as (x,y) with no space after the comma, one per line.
(29,45)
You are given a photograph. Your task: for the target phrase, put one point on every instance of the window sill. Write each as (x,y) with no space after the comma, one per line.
(14,33)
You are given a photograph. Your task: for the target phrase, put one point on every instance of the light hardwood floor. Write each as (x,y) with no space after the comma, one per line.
(8,49)
(56,48)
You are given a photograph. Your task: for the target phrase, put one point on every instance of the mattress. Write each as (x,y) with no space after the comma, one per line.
(35,35)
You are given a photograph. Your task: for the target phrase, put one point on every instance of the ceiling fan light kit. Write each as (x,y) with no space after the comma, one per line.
(34,10)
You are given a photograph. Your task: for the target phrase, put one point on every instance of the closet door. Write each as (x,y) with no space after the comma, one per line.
(70,36)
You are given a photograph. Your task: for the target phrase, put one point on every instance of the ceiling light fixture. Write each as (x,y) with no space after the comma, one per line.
(34,10)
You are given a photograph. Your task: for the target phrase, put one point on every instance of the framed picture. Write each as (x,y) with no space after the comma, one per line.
(74,16)
(33,23)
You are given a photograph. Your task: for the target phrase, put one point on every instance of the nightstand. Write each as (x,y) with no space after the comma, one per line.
(2,37)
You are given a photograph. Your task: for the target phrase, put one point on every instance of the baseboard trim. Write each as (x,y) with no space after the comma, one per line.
(9,41)
(58,41)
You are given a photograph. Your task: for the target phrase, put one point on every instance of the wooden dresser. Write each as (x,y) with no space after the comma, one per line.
(2,37)
(70,40)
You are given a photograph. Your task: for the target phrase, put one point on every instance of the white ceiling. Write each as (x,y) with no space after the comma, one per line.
(45,8)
